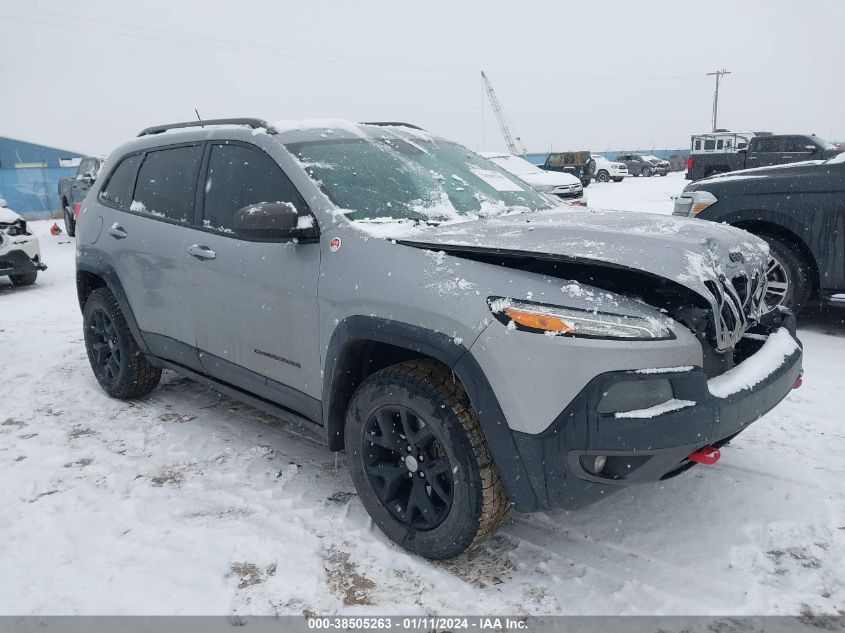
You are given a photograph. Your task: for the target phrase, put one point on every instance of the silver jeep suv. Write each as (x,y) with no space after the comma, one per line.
(471,346)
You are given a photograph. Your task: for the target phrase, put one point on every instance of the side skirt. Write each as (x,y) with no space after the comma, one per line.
(252,400)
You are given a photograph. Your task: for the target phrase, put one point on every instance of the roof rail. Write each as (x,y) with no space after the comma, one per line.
(392,124)
(253,123)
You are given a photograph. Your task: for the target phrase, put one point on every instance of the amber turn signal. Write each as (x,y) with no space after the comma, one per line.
(545,322)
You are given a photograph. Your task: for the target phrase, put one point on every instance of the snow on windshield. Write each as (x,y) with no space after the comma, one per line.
(404,174)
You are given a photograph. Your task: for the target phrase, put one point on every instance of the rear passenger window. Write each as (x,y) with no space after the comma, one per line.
(720,144)
(118,190)
(768,144)
(710,144)
(239,176)
(167,182)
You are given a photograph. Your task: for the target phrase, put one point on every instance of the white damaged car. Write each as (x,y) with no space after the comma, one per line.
(20,251)
(555,183)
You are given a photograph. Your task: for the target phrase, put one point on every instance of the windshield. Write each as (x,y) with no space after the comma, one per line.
(414,178)
(823,143)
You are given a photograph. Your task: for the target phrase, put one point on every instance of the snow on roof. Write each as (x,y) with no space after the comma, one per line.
(292,125)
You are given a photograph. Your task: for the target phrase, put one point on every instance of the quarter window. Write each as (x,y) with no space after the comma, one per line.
(239,176)
(118,189)
(167,182)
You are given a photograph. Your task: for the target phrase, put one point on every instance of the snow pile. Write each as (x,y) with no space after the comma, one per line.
(756,368)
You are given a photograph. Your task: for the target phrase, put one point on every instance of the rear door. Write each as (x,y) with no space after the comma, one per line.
(148,203)
(254,302)
(764,151)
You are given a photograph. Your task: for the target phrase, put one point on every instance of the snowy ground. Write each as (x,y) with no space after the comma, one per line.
(191,503)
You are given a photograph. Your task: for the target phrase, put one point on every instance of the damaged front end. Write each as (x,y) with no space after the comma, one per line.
(20,252)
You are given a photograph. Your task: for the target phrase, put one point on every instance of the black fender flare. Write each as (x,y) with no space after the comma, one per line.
(442,348)
(109,276)
(780,222)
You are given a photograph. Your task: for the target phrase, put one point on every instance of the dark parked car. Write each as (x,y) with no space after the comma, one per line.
(72,191)
(799,210)
(709,157)
(579,164)
(638,165)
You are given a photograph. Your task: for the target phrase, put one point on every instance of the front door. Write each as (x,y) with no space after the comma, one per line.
(255,302)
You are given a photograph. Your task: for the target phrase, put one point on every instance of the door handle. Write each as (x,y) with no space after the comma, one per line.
(117,231)
(201,252)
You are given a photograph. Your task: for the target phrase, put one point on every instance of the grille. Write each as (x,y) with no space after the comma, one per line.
(738,305)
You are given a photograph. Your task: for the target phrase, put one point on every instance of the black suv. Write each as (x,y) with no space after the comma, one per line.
(638,165)
(799,210)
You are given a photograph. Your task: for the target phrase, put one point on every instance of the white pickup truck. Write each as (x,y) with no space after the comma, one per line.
(607,170)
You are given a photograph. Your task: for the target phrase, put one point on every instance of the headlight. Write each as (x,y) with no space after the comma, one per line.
(701,200)
(559,321)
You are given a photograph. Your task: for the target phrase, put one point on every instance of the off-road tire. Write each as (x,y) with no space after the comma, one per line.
(798,270)
(136,376)
(603,176)
(645,172)
(24,279)
(479,503)
(70,223)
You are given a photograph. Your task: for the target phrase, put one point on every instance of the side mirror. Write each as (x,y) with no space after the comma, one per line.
(2,203)
(742,151)
(273,220)
(88,179)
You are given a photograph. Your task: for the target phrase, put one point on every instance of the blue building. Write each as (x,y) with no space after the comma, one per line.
(30,173)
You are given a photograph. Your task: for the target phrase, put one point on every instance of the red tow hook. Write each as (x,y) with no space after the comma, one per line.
(708,455)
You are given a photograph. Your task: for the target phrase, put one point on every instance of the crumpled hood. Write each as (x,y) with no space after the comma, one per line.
(693,253)
(7,216)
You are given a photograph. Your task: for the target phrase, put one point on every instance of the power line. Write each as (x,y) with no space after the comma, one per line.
(718,74)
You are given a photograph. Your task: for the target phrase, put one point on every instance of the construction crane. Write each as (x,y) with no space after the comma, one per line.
(510,139)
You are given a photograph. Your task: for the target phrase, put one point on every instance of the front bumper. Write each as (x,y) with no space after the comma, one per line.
(17,262)
(569,195)
(641,450)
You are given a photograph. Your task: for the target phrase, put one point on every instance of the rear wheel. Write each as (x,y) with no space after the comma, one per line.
(70,223)
(420,462)
(603,176)
(118,363)
(788,276)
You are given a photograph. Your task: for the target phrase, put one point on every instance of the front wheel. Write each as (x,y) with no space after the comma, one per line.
(24,279)
(788,276)
(118,363)
(420,463)
(602,176)
(645,172)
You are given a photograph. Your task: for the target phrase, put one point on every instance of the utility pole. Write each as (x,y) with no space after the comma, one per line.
(718,74)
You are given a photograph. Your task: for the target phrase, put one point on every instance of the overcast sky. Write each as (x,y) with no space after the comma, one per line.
(591,74)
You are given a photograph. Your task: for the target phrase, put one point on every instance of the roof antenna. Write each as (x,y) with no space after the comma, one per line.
(198,116)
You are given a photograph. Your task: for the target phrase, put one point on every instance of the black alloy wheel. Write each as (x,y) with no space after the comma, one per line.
(407,467)
(105,347)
